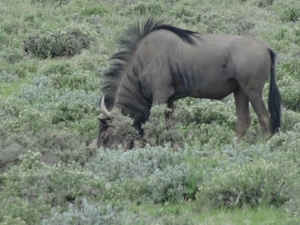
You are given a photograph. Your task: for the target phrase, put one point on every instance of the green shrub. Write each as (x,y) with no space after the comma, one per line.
(94,10)
(5,38)
(41,1)
(8,76)
(274,35)
(290,67)
(64,42)
(214,21)
(133,175)
(38,92)
(287,141)
(117,165)
(290,92)
(11,107)
(262,3)
(54,145)
(82,80)
(90,214)
(173,184)
(209,135)
(11,27)
(72,106)
(8,220)
(239,26)
(66,107)
(182,11)
(13,55)
(145,8)
(164,126)
(28,190)
(19,210)
(152,174)
(207,112)
(288,10)
(60,67)
(290,119)
(256,183)
(87,127)
(16,117)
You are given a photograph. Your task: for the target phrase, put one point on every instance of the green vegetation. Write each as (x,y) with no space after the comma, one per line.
(192,171)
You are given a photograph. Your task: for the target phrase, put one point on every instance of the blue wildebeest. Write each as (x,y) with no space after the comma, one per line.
(160,63)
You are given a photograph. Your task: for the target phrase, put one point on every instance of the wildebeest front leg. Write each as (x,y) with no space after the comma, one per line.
(163,98)
(242,113)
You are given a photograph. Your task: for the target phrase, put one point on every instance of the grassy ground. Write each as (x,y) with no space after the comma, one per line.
(52,57)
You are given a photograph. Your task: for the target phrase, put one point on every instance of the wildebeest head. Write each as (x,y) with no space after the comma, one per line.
(110,135)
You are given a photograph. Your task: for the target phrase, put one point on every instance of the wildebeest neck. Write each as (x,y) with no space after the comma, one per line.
(131,98)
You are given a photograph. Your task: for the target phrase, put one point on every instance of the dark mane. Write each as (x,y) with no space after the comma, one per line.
(127,45)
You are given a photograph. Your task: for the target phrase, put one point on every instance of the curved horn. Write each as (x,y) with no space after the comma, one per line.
(103,108)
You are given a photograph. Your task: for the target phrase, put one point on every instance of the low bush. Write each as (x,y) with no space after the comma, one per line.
(55,146)
(207,112)
(12,27)
(290,120)
(290,67)
(287,141)
(213,21)
(173,184)
(37,92)
(13,55)
(11,107)
(94,10)
(290,93)
(76,110)
(164,126)
(71,106)
(210,135)
(68,42)
(183,12)
(81,80)
(152,174)
(288,10)
(117,166)
(7,76)
(262,3)
(259,182)
(9,220)
(59,67)
(90,214)
(146,8)
(31,188)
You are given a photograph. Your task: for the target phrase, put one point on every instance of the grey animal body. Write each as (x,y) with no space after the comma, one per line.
(160,63)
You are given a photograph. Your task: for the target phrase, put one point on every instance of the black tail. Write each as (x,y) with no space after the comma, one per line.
(274,99)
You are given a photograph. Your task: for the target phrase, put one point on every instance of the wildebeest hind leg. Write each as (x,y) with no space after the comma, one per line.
(261,111)
(242,113)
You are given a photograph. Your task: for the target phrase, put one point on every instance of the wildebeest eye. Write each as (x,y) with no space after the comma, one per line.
(102,121)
